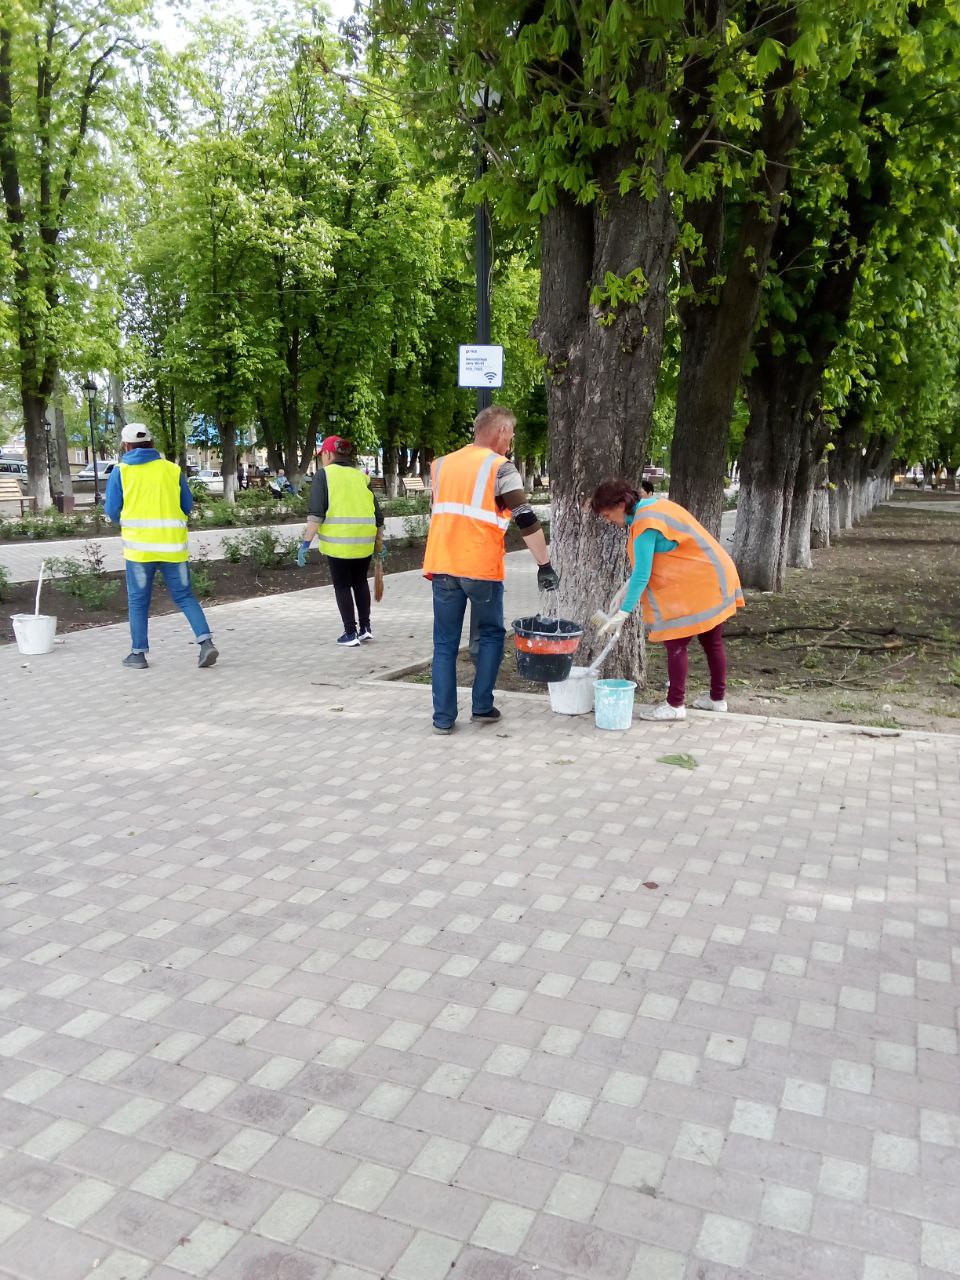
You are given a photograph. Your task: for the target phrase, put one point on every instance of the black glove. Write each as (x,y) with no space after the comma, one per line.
(547,577)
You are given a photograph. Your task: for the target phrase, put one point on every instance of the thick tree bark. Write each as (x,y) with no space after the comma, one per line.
(228,457)
(61,448)
(717,323)
(602,366)
(813,438)
(820,515)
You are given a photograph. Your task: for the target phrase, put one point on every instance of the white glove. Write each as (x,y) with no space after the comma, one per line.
(613,625)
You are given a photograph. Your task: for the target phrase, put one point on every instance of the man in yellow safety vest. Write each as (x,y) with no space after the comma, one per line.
(150,500)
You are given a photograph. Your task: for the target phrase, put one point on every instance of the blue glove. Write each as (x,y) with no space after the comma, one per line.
(302,554)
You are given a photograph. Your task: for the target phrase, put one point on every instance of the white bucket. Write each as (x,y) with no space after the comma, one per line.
(573,696)
(35,632)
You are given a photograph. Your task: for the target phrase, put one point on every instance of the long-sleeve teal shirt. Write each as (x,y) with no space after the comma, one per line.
(646,545)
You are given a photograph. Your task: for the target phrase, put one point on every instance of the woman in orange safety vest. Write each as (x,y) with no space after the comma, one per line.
(687,583)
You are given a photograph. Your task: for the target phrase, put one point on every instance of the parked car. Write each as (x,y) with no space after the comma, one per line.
(101,468)
(13,466)
(212,479)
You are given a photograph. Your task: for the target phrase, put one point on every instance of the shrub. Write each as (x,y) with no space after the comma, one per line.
(200,571)
(232,550)
(85,579)
(201,494)
(416,528)
(406,506)
(4,582)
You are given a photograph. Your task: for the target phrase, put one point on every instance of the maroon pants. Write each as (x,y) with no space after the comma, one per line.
(712,644)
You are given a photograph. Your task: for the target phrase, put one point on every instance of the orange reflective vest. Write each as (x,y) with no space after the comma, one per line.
(466,527)
(692,588)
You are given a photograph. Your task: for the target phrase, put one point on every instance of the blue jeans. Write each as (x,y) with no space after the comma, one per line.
(450,597)
(139,589)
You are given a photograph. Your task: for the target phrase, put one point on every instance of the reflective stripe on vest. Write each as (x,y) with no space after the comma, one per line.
(694,592)
(152,523)
(466,527)
(349,529)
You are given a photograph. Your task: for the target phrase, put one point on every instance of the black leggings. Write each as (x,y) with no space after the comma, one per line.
(349,578)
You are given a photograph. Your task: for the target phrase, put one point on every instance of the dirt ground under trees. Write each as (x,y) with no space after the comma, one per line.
(870,635)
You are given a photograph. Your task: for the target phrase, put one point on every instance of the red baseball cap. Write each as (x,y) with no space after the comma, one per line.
(335,444)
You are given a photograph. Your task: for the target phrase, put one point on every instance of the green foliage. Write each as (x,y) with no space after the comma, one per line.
(4,582)
(48,524)
(415,528)
(202,496)
(84,578)
(406,506)
(201,578)
(265,547)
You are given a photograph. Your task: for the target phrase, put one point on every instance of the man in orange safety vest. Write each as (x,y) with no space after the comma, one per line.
(476,492)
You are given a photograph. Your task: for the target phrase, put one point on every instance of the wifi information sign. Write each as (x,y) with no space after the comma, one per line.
(481,367)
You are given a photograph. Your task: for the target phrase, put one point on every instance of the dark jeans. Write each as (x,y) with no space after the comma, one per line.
(450,598)
(349,578)
(176,575)
(712,644)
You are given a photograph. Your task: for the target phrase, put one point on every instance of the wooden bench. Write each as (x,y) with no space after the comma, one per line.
(412,485)
(376,484)
(10,491)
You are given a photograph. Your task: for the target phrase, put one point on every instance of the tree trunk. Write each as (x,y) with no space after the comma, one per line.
(228,458)
(801,509)
(602,366)
(778,394)
(35,429)
(61,447)
(389,470)
(820,515)
(118,409)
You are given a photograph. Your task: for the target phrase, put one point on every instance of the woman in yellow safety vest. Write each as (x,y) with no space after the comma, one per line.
(346,519)
(688,585)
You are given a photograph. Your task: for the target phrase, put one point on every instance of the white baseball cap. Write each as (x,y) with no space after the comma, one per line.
(135,433)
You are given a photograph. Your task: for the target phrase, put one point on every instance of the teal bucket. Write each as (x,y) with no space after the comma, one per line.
(613,703)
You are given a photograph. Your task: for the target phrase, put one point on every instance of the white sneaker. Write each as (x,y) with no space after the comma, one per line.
(706,703)
(662,711)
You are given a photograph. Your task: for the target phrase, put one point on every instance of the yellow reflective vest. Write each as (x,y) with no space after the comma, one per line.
(349,529)
(152,523)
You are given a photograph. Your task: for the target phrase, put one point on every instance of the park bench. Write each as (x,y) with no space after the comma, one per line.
(412,485)
(377,485)
(10,491)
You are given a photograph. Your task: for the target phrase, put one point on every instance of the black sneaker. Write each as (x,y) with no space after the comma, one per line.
(209,653)
(137,661)
(486,717)
(349,640)
(365,633)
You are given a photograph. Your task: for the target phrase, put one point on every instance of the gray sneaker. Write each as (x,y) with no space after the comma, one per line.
(208,654)
(136,661)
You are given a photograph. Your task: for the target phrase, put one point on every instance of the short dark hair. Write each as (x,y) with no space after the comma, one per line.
(613,493)
(647,486)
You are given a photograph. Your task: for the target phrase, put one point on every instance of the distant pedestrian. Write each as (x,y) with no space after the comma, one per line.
(345,517)
(241,478)
(648,487)
(688,585)
(150,499)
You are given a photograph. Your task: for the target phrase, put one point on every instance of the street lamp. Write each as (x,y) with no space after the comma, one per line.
(90,391)
(484,99)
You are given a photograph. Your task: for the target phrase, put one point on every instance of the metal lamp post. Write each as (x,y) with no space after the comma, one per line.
(90,391)
(485,99)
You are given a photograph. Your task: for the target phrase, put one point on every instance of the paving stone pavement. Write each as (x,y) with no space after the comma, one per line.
(293,989)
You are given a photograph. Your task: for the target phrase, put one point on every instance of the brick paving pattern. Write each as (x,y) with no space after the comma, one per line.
(292,989)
